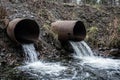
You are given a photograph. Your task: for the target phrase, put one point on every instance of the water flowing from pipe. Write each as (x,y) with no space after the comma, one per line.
(30,53)
(86,66)
(34,66)
(81,49)
(86,55)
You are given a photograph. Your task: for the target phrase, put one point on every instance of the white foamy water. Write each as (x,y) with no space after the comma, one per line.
(30,53)
(102,63)
(43,68)
(85,54)
(81,49)
(34,66)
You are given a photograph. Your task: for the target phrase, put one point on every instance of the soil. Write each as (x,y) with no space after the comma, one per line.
(45,12)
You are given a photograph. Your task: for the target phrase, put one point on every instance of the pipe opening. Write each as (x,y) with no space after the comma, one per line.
(26,31)
(79,29)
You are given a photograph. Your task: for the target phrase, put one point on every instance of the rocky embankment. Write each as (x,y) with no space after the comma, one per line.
(102,24)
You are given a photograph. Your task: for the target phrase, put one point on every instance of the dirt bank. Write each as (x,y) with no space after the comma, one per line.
(99,21)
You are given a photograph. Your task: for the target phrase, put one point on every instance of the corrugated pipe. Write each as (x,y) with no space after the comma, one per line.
(23,31)
(69,30)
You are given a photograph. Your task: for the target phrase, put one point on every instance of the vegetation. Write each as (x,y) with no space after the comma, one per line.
(93,2)
(98,16)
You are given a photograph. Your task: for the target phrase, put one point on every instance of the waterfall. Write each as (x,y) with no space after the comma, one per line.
(34,66)
(81,49)
(70,70)
(30,53)
(84,53)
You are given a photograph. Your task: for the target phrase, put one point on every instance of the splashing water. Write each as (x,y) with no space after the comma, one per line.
(81,49)
(84,53)
(44,68)
(35,66)
(101,63)
(87,66)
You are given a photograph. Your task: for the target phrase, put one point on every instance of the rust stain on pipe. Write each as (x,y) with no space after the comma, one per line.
(69,30)
(23,31)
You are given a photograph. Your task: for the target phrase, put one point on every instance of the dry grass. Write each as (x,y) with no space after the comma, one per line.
(50,31)
(3,12)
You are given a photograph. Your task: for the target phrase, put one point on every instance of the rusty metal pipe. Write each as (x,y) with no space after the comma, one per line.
(69,30)
(23,31)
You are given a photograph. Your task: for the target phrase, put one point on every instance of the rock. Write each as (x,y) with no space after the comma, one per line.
(3,63)
(67,46)
(3,50)
(115,52)
(2,54)
(101,49)
(0,58)
(106,48)
(44,34)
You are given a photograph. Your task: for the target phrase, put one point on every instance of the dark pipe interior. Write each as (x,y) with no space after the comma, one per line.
(26,30)
(79,29)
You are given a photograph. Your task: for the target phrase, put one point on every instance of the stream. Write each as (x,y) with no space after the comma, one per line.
(84,65)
